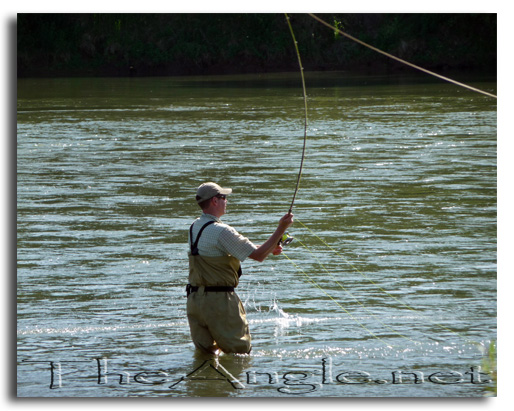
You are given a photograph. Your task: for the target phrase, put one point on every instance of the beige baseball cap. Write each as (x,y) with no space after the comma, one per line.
(209,190)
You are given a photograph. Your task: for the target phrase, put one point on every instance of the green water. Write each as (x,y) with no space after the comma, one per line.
(399,180)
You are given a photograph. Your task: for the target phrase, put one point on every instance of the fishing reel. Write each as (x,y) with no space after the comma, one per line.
(286,239)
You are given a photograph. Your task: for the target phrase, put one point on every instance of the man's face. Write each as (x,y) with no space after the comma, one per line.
(220,201)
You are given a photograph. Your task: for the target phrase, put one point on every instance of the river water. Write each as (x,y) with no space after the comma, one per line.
(388,290)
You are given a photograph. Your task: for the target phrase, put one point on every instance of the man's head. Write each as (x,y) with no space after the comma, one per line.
(211,195)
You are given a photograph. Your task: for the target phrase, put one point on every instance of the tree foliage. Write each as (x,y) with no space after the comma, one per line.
(185,44)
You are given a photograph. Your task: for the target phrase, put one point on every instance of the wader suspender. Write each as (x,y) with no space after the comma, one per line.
(194,251)
(194,247)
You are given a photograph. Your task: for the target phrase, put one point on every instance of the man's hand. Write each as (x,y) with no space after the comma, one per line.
(286,221)
(271,245)
(278,250)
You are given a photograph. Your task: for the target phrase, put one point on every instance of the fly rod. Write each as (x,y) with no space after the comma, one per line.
(305,108)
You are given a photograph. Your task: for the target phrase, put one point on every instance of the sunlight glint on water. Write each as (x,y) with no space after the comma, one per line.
(399,178)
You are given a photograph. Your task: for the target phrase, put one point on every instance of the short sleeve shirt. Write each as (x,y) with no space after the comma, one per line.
(220,239)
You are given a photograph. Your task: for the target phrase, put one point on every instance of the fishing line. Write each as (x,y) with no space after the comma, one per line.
(305,109)
(352,296)
(399,59)
(337,302)
(384,291)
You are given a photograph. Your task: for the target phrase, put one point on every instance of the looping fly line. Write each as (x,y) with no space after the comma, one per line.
(399,59)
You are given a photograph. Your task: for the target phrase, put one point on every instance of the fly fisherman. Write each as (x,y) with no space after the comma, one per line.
(216,316)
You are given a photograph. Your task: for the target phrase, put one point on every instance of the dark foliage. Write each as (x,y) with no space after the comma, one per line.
(186,44)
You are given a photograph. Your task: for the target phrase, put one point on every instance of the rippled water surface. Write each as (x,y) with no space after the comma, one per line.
(389,288)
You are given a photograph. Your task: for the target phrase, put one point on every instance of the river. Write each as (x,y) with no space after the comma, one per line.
(388,290)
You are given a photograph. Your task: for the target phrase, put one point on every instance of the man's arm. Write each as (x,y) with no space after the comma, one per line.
(271,243)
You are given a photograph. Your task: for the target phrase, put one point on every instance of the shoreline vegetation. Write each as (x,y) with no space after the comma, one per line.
(123,45)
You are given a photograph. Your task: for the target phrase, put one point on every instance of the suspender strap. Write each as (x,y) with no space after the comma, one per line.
(194,246)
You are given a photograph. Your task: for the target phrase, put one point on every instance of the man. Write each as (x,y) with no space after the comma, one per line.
(216,316)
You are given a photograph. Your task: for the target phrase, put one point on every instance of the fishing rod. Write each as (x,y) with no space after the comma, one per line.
(286,238)
(305,116)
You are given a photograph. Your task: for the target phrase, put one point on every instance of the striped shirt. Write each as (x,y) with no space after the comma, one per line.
(219,239)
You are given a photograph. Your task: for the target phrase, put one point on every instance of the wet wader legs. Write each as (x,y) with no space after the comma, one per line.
(218,320)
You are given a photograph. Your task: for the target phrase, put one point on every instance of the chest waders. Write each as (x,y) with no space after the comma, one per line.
(216,274)
(216,316)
